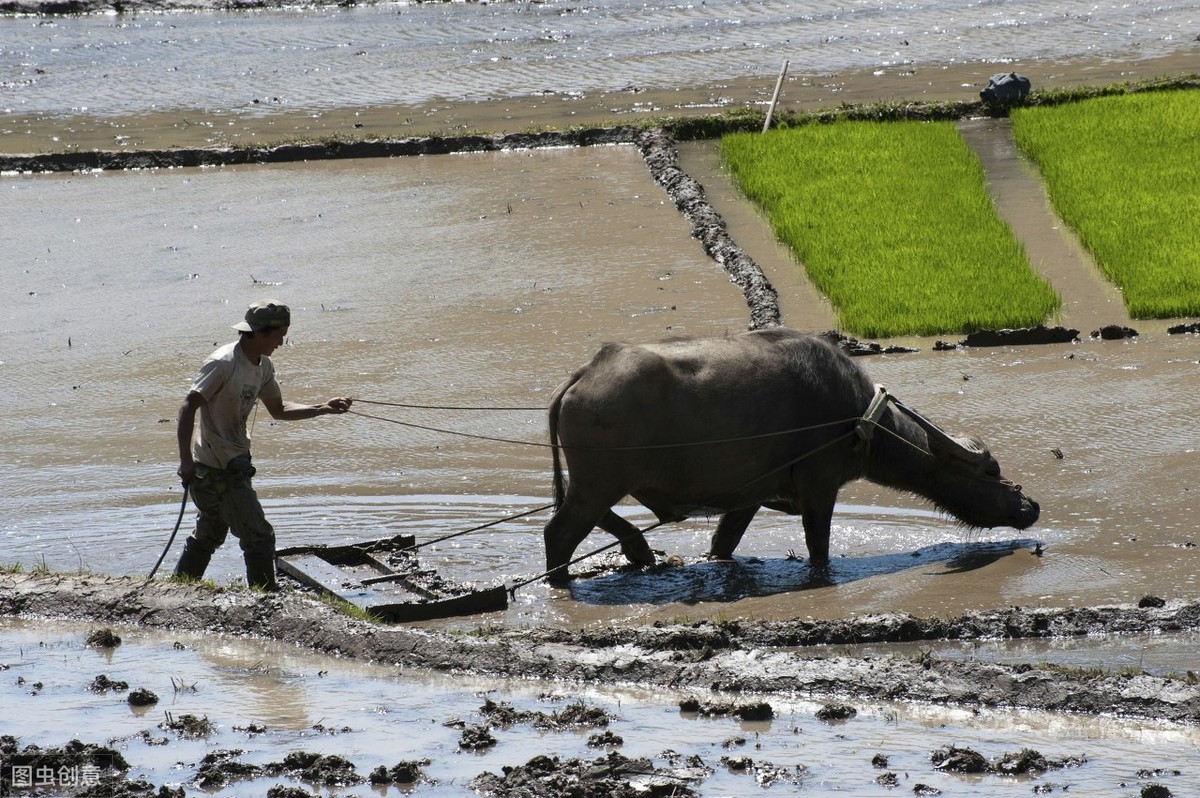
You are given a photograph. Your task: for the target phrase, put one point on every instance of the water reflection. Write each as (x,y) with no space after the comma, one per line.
(743,577)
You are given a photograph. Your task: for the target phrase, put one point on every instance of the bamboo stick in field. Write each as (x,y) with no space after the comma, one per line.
(775,96)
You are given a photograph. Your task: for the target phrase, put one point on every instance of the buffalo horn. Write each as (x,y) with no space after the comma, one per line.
(972,450)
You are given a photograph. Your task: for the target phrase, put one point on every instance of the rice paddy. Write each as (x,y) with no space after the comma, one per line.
(1124,172)
(892,222)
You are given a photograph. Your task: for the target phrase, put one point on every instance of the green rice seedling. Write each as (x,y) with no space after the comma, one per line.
(892,221)
(1124,172)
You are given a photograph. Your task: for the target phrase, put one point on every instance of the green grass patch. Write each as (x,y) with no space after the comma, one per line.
(1124,172)
(343,607)
(893,223)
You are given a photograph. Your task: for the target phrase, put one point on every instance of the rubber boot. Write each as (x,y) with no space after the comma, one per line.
(260,572)
(193,562)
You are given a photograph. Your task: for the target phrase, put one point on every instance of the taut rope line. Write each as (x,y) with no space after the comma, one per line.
(495,439)
(441,407)
(535,510)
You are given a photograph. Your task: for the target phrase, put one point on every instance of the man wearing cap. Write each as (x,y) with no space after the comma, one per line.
(214,460)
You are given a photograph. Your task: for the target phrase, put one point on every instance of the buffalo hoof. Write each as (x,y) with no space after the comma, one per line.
(639,554)
(559,577)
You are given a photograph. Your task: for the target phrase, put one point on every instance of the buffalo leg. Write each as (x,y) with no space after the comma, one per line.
(633,542)
(566,529)
(818,518)
(729,532)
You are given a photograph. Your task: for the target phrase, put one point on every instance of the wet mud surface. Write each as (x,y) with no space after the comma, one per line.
(735,657)
(749,664)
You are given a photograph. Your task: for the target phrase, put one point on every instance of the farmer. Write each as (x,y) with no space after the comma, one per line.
(214,463)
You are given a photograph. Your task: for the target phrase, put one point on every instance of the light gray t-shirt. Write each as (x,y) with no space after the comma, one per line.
(230,385)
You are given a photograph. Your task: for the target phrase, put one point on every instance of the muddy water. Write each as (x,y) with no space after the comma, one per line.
(412,54)
(397,69)
(269,700)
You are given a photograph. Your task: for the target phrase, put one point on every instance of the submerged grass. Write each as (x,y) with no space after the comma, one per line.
(1124,172)
(893,223)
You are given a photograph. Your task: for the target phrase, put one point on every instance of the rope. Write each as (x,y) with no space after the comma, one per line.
(709,442)
(481,526)
(441,407)
(174,532)
(447,431)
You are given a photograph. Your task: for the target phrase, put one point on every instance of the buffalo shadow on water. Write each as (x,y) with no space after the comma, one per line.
(744,577)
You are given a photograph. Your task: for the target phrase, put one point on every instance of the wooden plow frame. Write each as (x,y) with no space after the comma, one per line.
(353,573)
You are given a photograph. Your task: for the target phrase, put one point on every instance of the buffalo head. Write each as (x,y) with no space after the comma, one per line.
(966,482)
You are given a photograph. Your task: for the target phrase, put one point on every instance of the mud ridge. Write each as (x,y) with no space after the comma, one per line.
(312,151)
(763,658)
(662,158)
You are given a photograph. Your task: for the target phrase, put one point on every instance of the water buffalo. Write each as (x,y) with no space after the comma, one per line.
(771,418)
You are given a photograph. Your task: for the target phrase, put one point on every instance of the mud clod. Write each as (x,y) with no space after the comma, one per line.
(614,775)
(329,771)
(1023,336)
(835,712)
(925,789)
(959,760)
(103,638)
(285,791)
(765,773)
(141,697)
(888,779)
(879,761)
(576,715)
(105,764)
(476,738)
(102,684)
(748,712)
(188,726)
(221,767)
(408,772)
(1027,761)
(1155,791)
(1114,332)
(1151,601)
(605,739)
(857,348)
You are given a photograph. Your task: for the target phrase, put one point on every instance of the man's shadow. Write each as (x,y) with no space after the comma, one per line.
(743,577)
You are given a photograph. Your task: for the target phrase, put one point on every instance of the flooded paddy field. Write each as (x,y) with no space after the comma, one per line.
(481,281)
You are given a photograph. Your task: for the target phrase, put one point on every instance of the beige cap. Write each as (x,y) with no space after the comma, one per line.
(265,315)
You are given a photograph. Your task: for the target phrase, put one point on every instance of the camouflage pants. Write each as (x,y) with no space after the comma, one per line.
(227,502)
